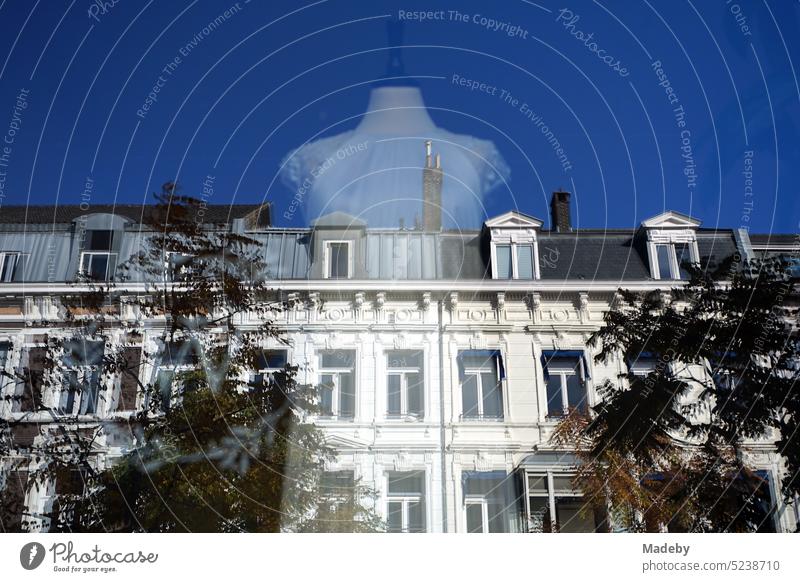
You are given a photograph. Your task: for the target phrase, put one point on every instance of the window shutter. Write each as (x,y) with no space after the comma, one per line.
(129,382)
(32,393)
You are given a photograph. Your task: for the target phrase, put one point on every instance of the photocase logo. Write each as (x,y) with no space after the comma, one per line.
(31,555)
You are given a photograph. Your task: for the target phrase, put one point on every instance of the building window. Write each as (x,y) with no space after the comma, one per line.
(268,363)
(767,508)
(337,488)
(405,504)
(670,259)
(565,375)
(514,261)
(178,360)
(97,260)
(643,365)
(555,506)
(489,502)
(8,266)
(337,383)
(82,368)
(178,265)
(481,384)
(337,259)
(405,384)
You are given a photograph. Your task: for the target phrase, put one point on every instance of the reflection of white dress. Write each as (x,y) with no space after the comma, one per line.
(375,171)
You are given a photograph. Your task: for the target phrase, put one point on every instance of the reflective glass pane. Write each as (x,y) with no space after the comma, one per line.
(98,240)
(498,522)
(326,394)
(492,395)
(683,256)
(394,516)
(539,508)
(338,359)
(393,395)
(339,261)
(474,518)
(537,484)
(664,256)
(406,482)
(576,393)
(574,517)
(90,392)
(416,516)
(415,394)
(404,359)
(562,484)
(555,406)
(469,395)
(347,395)
(164,386)
(271,360)
(9,262)
(503,261)
(68,391)
(524,262)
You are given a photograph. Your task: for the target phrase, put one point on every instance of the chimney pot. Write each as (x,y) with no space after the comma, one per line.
(560,212)
(431,192)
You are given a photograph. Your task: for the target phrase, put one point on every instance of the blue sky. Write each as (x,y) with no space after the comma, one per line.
(656,105)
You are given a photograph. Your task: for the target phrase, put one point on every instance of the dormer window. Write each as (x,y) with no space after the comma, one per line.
(671,243)
(513,246)
(8,266)
(514,261)
(97,261)
(670,259)
(337,259)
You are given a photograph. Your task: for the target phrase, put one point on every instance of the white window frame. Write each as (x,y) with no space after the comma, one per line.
(327,261)
(406,499)
(476,371)
(551,495)
(403,372)
(4,256)
(671,239)
(170,269)
(483,501)
(269,372)
(513,243)
(334,372)
(61,394)
(563,372)
(176,369)
(85,254)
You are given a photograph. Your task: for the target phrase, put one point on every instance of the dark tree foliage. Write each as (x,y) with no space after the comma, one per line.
(664,449)
(209,449)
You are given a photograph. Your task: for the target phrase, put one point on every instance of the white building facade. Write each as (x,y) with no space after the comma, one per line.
(444,360)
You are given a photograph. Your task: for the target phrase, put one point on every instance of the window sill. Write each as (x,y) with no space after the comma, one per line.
(475,419)
(404,418)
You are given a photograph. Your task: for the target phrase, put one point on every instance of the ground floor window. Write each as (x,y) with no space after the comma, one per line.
(405,502)
(555,506)
(490,502)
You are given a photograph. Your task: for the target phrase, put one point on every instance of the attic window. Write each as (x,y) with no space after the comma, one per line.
(514,246)
(514,261)
(670,259)
(337,260)
(671,243)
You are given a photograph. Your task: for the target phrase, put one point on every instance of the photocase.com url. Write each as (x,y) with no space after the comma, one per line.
(721,566)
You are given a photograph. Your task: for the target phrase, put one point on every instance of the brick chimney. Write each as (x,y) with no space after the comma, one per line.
(431,191)
(559,212)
